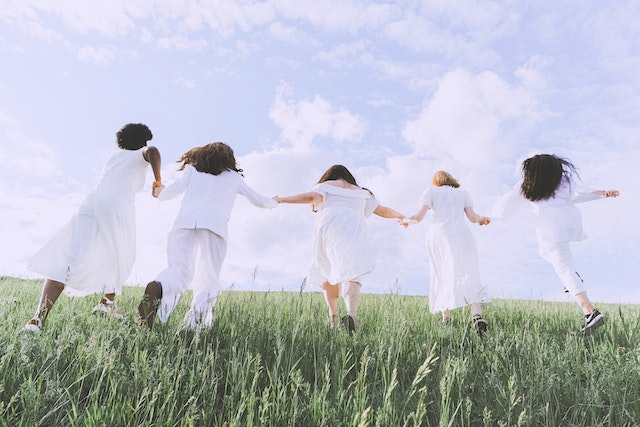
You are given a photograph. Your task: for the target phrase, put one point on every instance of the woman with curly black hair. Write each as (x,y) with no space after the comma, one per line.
(95,251)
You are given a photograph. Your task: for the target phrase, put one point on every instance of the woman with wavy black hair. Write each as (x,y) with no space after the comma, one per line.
(210,182)
(550,184)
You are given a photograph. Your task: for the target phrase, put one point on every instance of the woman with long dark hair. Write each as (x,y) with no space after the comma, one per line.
(342,253)
(550,183)
(210,182)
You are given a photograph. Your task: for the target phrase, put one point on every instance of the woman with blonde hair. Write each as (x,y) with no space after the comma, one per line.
(453,256)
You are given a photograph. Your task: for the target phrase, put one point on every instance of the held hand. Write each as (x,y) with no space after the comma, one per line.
(484,220)
(156,188)
(277,199)
(404,221)
(611,193)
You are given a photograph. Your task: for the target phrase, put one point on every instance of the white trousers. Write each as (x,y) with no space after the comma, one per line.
(182,247)
(558,254)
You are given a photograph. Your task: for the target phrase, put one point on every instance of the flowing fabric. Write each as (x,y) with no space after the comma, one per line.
(342,250)
(453,256)
(95,251)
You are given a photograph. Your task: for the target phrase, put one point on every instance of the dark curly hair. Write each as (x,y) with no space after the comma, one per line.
(133,136)
(213,158)
(542,175)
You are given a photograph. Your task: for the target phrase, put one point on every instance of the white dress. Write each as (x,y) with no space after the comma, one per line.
(341,250)
(453,256)
(94,252)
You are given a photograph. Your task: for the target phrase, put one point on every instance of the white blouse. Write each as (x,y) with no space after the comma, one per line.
(208,199)
(558,219)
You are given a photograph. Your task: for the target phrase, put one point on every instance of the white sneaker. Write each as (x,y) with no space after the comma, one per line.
(107,307)
(34,325)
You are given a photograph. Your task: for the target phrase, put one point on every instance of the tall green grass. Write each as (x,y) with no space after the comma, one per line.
(270,359)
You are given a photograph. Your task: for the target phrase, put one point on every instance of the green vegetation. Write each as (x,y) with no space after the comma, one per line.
(271,360)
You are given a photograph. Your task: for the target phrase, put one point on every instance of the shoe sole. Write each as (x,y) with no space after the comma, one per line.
(107,312)
(349,324)
(149,304)
(481,326)
(596,323)
(34,329)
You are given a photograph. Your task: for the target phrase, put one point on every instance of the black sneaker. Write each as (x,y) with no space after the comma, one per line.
(349,324)
(593,321)
(479,324)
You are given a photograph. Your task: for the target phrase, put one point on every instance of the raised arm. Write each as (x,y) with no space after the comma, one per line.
(607,193)
(302,198)
(419,216)
(386,212)
(475,218)
(152,155)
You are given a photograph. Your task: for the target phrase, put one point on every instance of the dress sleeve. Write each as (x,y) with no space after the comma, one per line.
(508,204)
(319,188)
(370,206)
(468,202)
(141,158)
(580,193)
(178,186)
(254,197)
(425,199)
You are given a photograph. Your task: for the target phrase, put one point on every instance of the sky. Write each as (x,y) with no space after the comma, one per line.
(394,90)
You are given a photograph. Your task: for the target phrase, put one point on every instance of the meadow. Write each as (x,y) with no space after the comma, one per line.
(270,359)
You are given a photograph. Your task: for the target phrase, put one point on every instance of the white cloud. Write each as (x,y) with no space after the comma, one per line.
(303,121)
(337,15)
(465,123)
(98,55)
(21,155)
(291,35)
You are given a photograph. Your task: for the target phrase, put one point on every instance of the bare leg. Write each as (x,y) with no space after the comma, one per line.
(446,315)
(476,309)
(585,304)
(352,298)
(50,293)
(110,297)
(331,294)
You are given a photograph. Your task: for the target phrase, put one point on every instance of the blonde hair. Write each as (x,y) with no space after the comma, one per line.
(441,178)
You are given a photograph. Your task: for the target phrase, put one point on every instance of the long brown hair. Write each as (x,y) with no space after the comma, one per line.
(213,158)
(542,175)
(336,172)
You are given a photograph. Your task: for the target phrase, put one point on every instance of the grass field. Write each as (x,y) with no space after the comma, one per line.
(271,360)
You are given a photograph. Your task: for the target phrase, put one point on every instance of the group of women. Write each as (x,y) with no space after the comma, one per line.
(95,250)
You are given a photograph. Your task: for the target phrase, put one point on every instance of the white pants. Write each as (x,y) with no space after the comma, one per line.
(182,247)
(559,255)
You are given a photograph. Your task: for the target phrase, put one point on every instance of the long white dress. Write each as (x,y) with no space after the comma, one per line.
(453,256)
(95,251)
(342,251)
